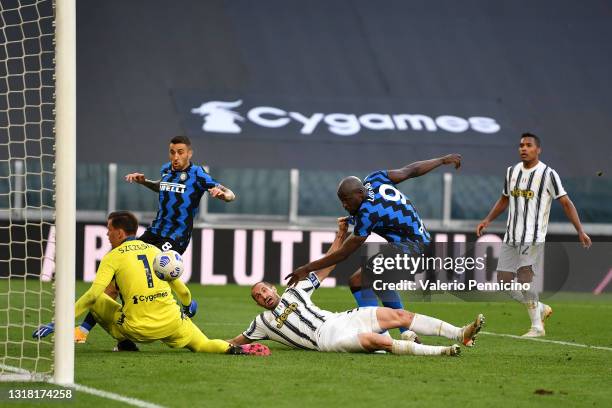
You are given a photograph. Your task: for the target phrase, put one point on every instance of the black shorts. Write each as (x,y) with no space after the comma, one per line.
(162,243)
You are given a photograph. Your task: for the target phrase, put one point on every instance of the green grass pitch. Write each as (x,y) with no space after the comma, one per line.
(499,371)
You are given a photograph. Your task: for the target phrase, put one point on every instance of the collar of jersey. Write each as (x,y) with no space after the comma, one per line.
(363,204)
(185,170)
(132,238)
(531,169)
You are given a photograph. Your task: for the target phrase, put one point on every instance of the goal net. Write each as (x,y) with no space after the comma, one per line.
(27,188)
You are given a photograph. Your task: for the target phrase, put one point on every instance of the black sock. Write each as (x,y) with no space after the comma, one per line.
(89,322)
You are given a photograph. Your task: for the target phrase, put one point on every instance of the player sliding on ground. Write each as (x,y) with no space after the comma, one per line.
(377,206)
(149,312)
(294,320)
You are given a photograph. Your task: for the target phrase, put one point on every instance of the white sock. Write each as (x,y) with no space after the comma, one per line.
(402,347)
(534,314)
(430,326)
(84,330)
(533,308)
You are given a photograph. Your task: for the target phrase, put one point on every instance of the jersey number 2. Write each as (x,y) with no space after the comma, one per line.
(147,268)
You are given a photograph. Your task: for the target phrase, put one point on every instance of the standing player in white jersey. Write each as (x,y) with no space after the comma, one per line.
(529,188)
(294,320)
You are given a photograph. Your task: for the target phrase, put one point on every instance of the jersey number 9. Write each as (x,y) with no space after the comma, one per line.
(397,196)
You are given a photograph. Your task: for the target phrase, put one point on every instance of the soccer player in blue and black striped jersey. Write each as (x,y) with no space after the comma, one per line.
(376,205)
(180,188)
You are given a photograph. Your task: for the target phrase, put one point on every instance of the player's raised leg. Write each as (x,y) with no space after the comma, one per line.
(366,297)
(392,300)
(429,326)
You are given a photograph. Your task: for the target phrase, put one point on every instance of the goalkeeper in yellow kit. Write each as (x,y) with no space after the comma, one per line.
(149,311)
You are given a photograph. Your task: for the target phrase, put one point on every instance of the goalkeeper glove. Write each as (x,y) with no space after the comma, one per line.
(190,310)
(44,331)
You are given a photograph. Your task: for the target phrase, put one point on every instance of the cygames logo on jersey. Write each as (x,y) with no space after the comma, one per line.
(220,118)
(172,187)
(148,298)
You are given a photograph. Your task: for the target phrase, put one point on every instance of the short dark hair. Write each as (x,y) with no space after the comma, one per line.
(268,284)
(181,139)
(124,220)
(534,137)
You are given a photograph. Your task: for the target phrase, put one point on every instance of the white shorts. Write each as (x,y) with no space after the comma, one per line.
(513,257)
(341,333)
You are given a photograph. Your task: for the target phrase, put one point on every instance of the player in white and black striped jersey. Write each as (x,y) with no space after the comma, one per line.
(529,189)
(294,320)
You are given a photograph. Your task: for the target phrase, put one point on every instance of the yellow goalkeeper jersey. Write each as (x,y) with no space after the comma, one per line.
(149,310)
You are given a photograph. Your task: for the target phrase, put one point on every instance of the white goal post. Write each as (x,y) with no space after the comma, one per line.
(37,188)
(65,188)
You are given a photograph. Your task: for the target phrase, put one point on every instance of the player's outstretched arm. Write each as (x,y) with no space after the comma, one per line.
(189,305)
(349,246)
(104,276)
(181,290)
(88,299)
(420,168)
(239,340)
(222,193)
(572,215)
(139,178)
(341,235)
(499,207)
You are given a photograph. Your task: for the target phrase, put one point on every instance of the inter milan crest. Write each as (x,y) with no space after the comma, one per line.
(183,176)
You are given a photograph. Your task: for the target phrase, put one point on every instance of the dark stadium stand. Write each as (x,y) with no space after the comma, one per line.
(538,66)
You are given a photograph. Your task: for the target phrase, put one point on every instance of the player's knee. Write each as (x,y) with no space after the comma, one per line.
(404,317)
(394,318)
(524,274)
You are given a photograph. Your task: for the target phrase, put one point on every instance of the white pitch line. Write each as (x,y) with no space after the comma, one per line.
(27,376)
(563,343)
(110,395)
